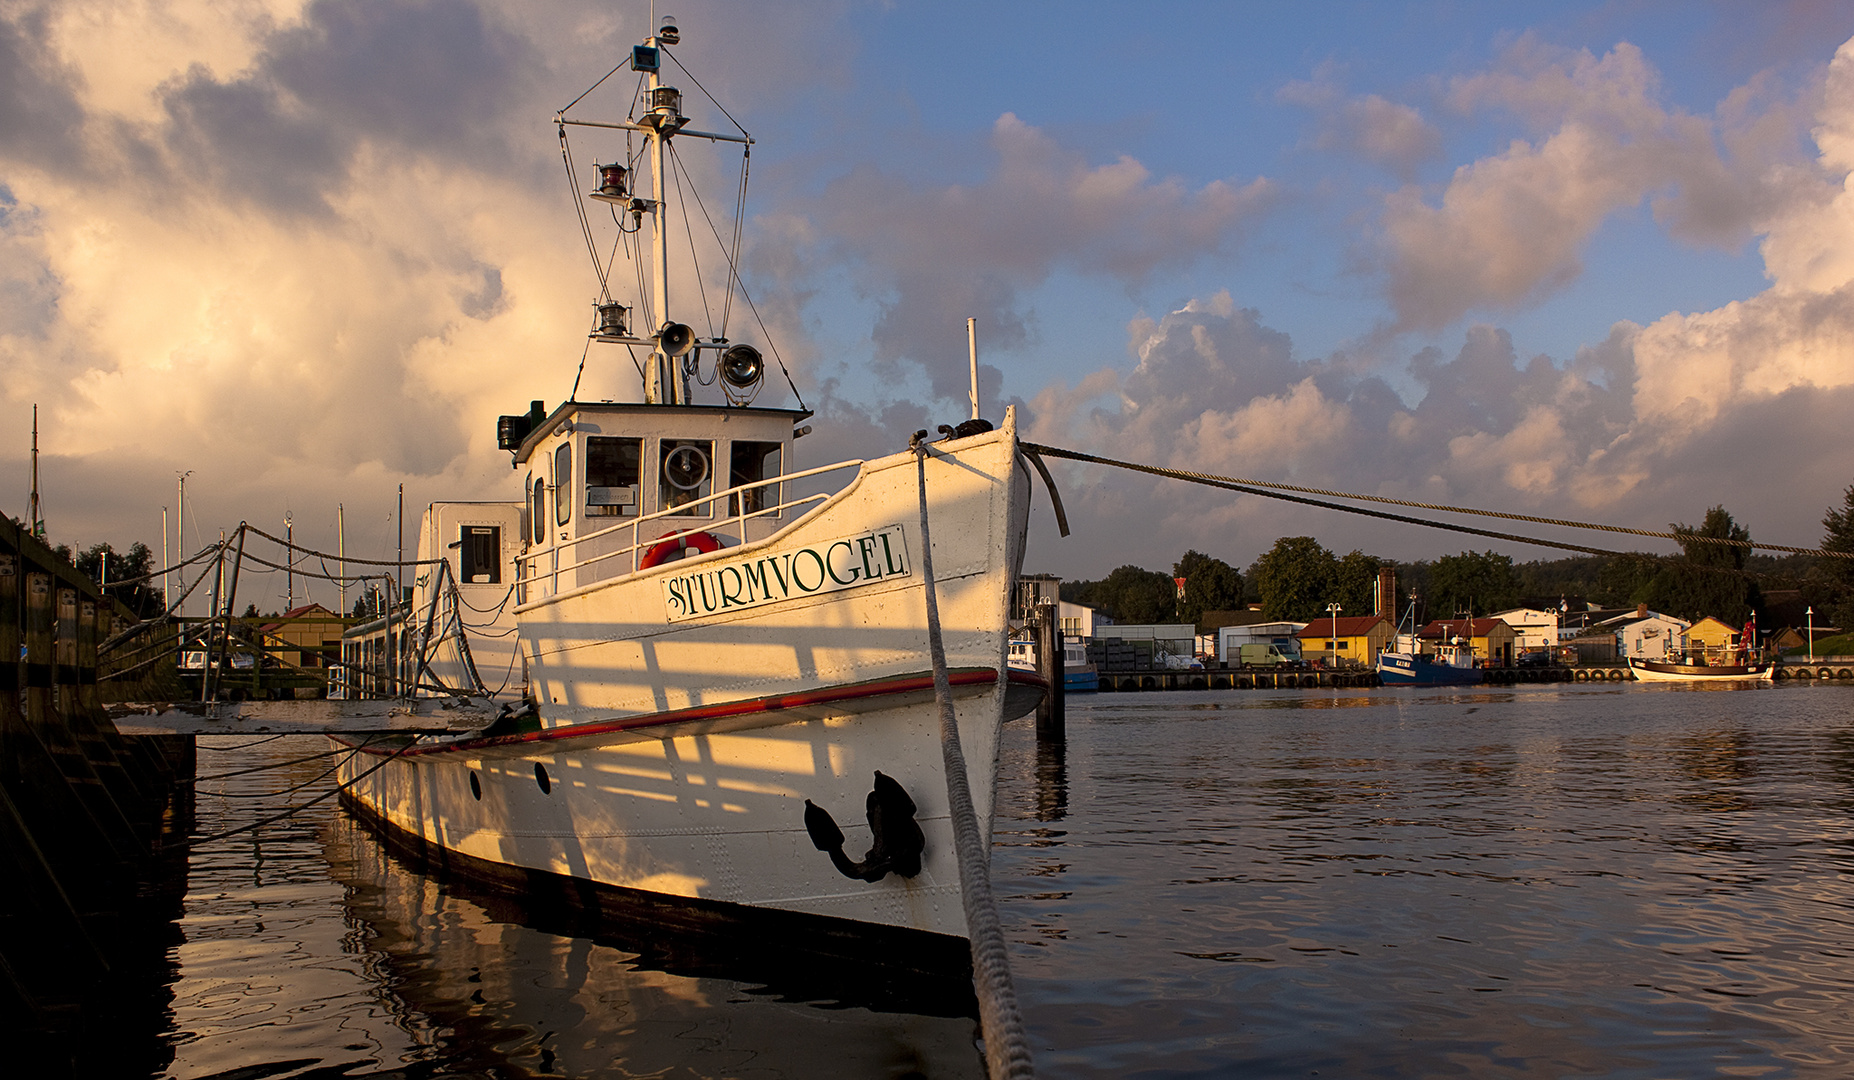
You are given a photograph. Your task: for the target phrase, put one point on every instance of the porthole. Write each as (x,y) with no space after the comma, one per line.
(476,786)
(540,777)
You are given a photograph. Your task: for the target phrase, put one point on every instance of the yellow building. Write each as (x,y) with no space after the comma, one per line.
(1355,639)
(1493,640)
(1713,637)
(308,636)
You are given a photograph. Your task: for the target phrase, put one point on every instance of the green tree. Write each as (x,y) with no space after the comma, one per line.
(1130,594)
(123,576)
(1709,580)
(1296,578)
(1477,582)
(1838,536)
(1355,581)
(1625,579)
(1210,585)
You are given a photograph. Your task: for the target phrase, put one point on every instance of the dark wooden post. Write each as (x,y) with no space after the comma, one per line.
(1050,718)
(38,653)
(12,724)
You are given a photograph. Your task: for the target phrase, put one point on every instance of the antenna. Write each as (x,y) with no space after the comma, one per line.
(35,514)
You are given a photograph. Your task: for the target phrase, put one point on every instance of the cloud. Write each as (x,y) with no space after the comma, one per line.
(934,255)
(1509,229)
(1388,133)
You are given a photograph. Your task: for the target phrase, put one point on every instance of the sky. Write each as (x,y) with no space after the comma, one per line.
(1586,260)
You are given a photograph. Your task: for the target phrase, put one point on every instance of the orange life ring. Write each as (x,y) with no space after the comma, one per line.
(670,546)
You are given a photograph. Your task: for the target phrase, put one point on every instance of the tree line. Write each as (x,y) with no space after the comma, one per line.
(1297,578)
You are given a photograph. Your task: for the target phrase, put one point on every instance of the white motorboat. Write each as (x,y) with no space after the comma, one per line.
(1672,670)
(729,714)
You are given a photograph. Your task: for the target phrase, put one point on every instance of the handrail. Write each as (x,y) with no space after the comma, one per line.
(739,519)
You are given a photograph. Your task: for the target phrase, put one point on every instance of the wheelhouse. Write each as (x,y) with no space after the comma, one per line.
(616,488)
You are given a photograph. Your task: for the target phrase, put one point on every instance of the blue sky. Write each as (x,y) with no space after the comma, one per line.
(309,251)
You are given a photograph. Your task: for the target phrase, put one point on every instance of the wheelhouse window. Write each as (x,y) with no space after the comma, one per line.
(753,461)
(479,555)
(686,476)
(537,510)
(563,484)
(614,468)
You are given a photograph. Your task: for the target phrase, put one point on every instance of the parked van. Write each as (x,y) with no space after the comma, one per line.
(1266,654)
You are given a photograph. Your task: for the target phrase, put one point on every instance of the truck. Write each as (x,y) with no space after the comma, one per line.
(1265,654)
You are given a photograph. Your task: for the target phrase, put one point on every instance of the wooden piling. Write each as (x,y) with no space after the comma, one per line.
(1051,718)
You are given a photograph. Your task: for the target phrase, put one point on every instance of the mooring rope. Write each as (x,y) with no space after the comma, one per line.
(1275,491)
(1007,1052)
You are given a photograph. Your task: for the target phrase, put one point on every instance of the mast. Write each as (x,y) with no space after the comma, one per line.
(666,382)
(661,371)
(35,515)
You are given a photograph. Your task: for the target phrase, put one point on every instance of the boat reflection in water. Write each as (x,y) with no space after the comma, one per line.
(492,984)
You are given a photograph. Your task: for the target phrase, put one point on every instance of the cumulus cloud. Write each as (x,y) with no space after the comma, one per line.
(303,249)
(1744,403)
(1389,133)
(937,254)
(1509,229)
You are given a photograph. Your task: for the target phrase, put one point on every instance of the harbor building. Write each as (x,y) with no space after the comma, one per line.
(1349,639)
(1491,639)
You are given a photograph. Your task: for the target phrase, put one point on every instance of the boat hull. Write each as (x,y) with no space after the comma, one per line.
(1403,669)
(674,755)
(1661,671)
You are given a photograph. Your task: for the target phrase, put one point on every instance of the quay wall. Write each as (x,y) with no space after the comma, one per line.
(90,828)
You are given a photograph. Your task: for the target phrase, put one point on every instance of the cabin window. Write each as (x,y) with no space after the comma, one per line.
(537,510)
(613,468)
(686,476)
(563,484)
(480,555)
(753,461)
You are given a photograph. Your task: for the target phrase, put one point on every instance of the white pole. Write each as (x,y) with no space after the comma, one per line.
(972,353)
(180,534)
(341,554)
(1811,614)
(167,578)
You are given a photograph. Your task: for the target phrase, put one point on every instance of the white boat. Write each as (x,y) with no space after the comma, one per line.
(730,716)
(1671,670)
(1079,675)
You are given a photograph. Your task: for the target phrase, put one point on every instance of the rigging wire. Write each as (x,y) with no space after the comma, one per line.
(706,94)
(246,746)
(294,810)
(579,211)
(676,172)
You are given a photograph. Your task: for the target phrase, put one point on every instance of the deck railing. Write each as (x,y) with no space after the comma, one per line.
(531,564)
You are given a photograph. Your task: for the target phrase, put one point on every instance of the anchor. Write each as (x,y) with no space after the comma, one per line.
(898,839)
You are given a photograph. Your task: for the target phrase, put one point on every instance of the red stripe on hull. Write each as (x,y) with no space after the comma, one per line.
(829,695)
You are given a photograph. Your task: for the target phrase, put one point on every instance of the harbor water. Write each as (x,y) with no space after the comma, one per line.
(1607,880)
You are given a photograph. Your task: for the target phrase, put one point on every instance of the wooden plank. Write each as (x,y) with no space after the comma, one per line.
(319,717)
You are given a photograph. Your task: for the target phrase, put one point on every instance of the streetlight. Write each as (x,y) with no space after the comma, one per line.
(1334,644)
(1811,613)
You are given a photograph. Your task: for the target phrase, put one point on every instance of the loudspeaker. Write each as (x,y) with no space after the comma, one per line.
(675,339)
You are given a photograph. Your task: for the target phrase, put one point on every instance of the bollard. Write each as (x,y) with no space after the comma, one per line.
(1050,715)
